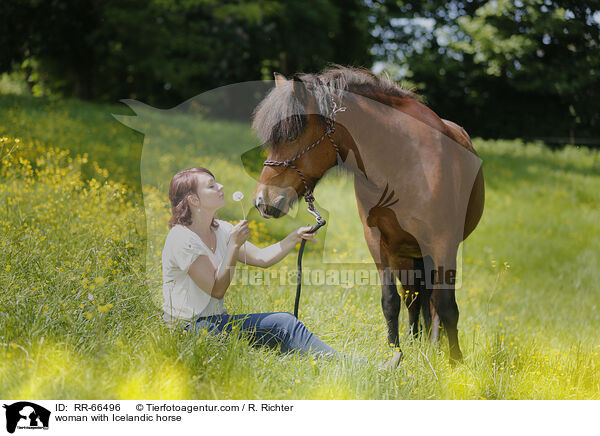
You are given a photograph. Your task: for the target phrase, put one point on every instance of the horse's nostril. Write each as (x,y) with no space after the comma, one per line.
(281,204)
(273,211)
(261,206)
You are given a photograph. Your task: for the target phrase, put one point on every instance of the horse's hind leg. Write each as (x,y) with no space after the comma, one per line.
(411,293)
(390,303)
(413,304)
(431,320)
(435,321)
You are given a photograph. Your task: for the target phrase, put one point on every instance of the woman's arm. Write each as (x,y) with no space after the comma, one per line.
(216,281)
(268,256)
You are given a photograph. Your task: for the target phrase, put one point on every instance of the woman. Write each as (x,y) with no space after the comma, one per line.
(199,258)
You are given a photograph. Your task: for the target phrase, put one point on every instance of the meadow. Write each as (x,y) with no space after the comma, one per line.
(82,211)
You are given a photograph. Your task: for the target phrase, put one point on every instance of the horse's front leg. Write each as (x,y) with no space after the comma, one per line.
(444,301)
(443,298)
(390,303)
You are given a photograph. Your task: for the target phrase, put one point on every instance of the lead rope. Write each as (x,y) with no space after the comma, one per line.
(320,223)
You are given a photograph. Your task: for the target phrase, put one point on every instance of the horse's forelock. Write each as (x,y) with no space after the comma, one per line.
(281,114)
(275,115)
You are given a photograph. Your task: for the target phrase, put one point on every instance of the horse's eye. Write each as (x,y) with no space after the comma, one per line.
(291,138)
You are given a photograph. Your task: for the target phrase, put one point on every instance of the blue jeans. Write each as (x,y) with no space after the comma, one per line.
(271,329)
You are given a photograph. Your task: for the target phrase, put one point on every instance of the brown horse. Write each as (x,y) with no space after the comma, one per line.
(418,181)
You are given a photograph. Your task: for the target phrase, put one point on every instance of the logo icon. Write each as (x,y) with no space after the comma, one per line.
(26,415)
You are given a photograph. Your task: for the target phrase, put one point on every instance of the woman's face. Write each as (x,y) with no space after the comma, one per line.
(210,192)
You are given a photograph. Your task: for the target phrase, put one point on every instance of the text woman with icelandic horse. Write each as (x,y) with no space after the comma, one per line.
(418,181)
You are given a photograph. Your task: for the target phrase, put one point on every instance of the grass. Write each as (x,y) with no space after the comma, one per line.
(83,210)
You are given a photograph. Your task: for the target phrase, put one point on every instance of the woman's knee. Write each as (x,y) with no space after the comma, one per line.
(286,319)
(283,322)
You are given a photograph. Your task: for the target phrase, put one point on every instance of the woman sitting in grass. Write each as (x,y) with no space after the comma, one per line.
(199,258)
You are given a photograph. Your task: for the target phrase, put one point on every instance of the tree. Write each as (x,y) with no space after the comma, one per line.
(165,51)
(505,68)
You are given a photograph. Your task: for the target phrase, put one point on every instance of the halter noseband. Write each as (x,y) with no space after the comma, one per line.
(289,163)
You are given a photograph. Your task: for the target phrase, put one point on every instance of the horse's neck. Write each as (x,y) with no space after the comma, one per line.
(379,147)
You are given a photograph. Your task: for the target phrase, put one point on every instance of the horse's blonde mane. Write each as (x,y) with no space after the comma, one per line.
(280,116)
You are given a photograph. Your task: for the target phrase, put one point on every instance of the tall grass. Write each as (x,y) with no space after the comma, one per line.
(80,301)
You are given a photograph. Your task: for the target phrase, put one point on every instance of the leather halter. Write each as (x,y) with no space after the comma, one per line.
(289,163)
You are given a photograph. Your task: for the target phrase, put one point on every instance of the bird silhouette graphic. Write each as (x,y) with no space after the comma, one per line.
(382,210)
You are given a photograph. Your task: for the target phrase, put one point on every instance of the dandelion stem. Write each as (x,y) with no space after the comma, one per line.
(244,215)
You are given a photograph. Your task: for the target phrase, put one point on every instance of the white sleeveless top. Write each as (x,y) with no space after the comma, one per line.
(183,299)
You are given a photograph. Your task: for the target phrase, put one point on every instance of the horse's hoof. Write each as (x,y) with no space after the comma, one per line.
(393,363)
(456,358)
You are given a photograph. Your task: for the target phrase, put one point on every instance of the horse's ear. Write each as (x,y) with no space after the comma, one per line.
(279,79)
(303,95)
(299,88)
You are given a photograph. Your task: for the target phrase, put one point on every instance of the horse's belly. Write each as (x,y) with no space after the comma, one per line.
(405,250)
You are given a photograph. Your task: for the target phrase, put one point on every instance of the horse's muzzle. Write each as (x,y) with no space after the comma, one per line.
(271,211)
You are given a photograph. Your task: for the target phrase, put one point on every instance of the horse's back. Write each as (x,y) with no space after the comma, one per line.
(458,134)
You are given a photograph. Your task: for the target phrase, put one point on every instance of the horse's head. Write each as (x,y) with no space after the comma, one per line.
(288,121)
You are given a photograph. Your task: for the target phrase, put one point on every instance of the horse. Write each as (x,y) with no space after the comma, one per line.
(418,181)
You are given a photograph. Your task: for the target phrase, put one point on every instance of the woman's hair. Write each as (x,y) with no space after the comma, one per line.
(183,184)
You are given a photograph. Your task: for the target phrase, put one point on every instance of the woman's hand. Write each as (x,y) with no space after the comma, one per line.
(240,233)
(302,233)
(274,253)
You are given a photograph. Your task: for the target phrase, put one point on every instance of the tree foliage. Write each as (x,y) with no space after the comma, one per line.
(501,68)
(504,68)
(165,51)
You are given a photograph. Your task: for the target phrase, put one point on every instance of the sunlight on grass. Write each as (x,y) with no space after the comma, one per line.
(168,381)
(52,368)
(80,276)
